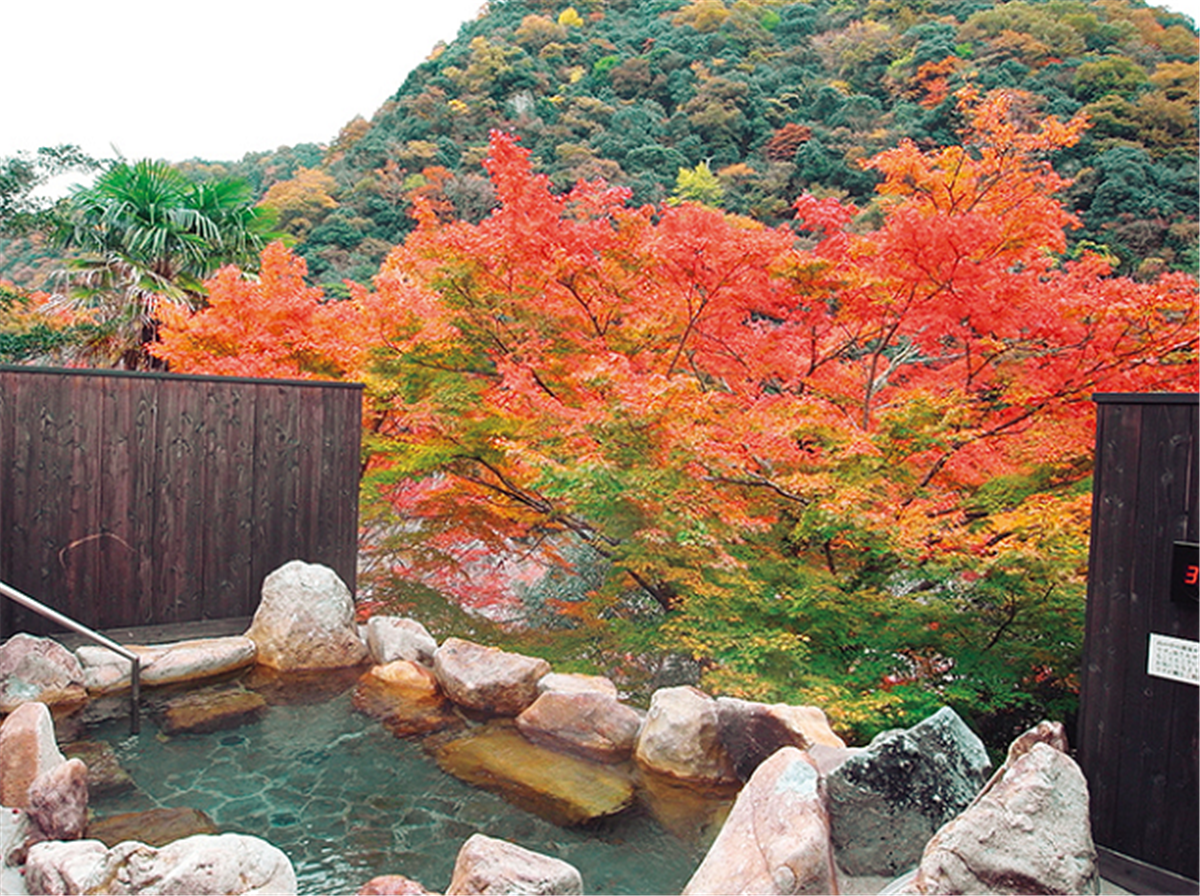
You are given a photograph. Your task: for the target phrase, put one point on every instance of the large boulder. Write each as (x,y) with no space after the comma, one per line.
(487,679)
(204,865)
(563,789)
(391,638)
(887,800)
(776,839)
(306,620)
(681,737)
(750,732)
(1029,833)
(41,670)
(405,696)
(105,671)
(27,750)
(588,723)
(489,866)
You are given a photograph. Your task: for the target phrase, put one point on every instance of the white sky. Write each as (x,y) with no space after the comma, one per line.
(217,79)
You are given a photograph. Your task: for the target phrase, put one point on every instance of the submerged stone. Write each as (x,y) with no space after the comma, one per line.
(211,709)
(157,827)
(405,698)
(565,790)
(105,775)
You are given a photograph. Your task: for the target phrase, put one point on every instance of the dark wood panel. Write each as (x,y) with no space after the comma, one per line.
(135,499)
(1138,733)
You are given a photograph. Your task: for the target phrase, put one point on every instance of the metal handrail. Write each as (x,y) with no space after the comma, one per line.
(135,676)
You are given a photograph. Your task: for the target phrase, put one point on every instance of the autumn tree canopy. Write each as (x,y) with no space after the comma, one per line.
(829,462)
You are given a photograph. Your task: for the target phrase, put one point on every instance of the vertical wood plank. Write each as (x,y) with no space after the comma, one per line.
(229,497)
(276,463)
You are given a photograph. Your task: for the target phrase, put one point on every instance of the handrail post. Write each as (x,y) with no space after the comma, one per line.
(135,671)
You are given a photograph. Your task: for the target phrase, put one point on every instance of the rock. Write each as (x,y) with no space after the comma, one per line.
(392,885)
(488,866)
(681,737)
(390,638)
(211,709)
(105,671)
(750,732)
(486,678)
(776,839)
(306,620)
(574,683)
(692,813)
(1029,834)
(157,827)
(105,775)
(63,867)
(887,800)
(306,687)
(591,724)
(405,697)
(16,830)
(41,670)
(1053,734)
(27,751)
(563,789)
(204,865)
(58,801)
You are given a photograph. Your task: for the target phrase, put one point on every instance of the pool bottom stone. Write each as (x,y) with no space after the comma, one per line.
(347,801)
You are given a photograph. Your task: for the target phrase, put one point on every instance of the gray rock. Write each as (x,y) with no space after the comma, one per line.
(390,638)
(776,839)
(681,737)
(489,866)
(886,801)
(487,679)
(1029,833)
(204,865)
(38,669)
(306,620)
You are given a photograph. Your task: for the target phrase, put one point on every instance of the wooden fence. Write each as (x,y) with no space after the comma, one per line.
(144,499)
(1137,735)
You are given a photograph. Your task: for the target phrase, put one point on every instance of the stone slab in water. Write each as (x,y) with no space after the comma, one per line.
(405,698)
(105,775)
(563,789)
(156,827)
(212,709)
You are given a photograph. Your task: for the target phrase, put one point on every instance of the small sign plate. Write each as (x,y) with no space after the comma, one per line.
(1174,658)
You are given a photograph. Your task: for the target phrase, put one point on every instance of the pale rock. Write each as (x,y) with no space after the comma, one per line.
(887,800)
(575,683)
(105,671)
(203,865)
(40,670)
(27,750)
(489,866)
(776,839)
(591,724)
(406,697)
(306,620)
(750,732)
(392,885)
(1029,833)
(390,638)
(58,801)
(1053,734)
(681,737)
(487,679)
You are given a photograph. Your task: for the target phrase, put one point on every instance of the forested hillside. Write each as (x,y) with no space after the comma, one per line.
(745,104)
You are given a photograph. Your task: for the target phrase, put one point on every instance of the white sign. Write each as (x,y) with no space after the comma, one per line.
(1174,659)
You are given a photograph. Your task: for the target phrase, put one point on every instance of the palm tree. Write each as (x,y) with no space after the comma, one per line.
(146,234)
